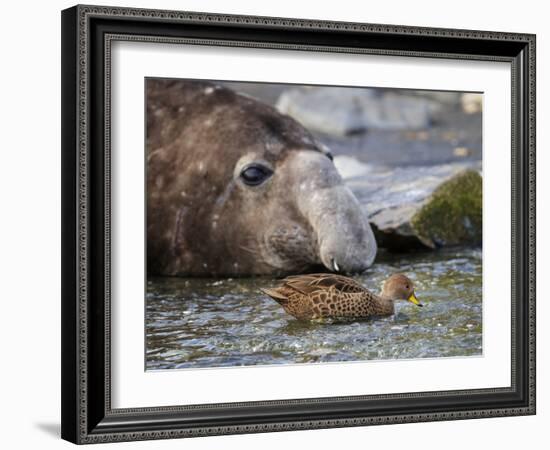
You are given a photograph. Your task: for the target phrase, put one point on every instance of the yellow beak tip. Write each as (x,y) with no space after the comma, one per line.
(412,298)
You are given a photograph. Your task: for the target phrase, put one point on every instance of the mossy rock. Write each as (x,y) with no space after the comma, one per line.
(452,215)
(418,206)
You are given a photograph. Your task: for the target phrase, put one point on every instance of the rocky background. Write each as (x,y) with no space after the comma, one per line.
(412,158)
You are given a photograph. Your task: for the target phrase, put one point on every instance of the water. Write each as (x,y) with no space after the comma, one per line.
(193,323)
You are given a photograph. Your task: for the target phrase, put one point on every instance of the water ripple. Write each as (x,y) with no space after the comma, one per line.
(193,323)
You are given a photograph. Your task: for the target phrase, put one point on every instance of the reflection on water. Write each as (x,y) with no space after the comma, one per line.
(193,323)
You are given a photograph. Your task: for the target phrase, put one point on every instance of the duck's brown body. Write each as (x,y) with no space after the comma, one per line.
(318,296)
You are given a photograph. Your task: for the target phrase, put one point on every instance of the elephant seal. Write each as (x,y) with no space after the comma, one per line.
(235,188)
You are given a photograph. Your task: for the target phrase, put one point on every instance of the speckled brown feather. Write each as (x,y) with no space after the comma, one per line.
(317,296)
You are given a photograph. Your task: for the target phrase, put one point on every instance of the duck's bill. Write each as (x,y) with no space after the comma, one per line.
(412,298)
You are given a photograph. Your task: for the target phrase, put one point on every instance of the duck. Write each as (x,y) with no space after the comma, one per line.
(331,296)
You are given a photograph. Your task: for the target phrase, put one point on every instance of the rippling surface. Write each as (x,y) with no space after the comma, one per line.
(195,323)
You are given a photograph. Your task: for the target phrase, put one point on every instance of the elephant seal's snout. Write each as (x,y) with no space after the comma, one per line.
(345,239)
(349,248)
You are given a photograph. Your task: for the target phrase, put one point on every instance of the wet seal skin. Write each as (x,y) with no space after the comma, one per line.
(235,188)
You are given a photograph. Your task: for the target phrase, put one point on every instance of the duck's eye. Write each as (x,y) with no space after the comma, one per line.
(407,286)
(255,174)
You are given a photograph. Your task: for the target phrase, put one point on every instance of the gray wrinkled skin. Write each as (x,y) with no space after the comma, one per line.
(203,220)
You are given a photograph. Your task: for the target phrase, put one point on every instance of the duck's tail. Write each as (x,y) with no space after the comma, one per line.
(276,295)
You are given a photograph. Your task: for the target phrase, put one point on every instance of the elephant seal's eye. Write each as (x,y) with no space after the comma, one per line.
(329,156)
(255,174)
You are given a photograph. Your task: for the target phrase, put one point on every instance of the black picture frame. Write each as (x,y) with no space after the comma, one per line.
(87,32)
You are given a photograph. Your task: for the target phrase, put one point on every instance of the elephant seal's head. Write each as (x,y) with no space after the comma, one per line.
(236,188)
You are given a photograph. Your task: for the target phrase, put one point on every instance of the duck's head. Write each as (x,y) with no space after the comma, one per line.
(400,287)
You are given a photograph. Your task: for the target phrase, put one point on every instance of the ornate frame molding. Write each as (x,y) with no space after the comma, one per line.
(84,423)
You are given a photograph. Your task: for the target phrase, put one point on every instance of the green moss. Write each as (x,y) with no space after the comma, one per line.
(453,213)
